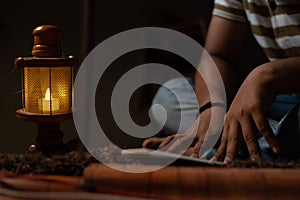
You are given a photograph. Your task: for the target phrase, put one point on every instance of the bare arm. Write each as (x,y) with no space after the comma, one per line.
(225,44)
(284,74)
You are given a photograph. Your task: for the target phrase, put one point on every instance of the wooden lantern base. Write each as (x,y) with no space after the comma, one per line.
(50,137)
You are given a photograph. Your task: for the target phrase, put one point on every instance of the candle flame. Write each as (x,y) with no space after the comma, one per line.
(47,94)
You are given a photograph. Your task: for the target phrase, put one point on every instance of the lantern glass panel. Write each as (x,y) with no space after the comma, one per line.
(47,90)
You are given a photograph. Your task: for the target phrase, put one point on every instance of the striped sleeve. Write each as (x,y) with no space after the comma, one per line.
(230,9)
(276,27)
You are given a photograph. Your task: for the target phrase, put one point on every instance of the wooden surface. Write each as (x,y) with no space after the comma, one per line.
(14,187)
(202,182)
(29,187)
(168,183)
(47,41)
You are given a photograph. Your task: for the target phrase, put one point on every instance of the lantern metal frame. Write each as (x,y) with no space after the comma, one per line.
(48,112)
(50,137)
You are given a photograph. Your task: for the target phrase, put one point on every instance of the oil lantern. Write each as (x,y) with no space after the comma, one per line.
(47,86)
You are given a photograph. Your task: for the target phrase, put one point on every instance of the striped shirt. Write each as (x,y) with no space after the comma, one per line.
(275,23)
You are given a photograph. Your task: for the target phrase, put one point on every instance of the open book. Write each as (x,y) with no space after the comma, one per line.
(150,156)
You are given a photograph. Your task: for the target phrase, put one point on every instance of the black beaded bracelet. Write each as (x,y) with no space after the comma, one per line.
(209,105)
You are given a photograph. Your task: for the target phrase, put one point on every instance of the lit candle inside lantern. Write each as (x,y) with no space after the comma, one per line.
(44,103)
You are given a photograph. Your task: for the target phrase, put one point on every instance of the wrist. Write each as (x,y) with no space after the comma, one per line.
(209,105)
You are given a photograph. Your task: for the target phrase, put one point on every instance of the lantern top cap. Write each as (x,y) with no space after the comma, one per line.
(47,41)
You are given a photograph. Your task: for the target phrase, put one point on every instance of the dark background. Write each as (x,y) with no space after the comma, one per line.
(82,30)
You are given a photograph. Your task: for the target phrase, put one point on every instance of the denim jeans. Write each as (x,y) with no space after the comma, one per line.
(283,117)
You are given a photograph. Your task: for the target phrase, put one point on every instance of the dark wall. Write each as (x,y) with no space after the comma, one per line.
(19,18)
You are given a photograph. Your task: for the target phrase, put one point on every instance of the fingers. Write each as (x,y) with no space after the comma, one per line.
(245,127)
(263,126)
(152,143)
(174,143)
(166,141)
(250,138)
(233,142)
(190,152)
(181,143)
(194,151)
(222,148)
